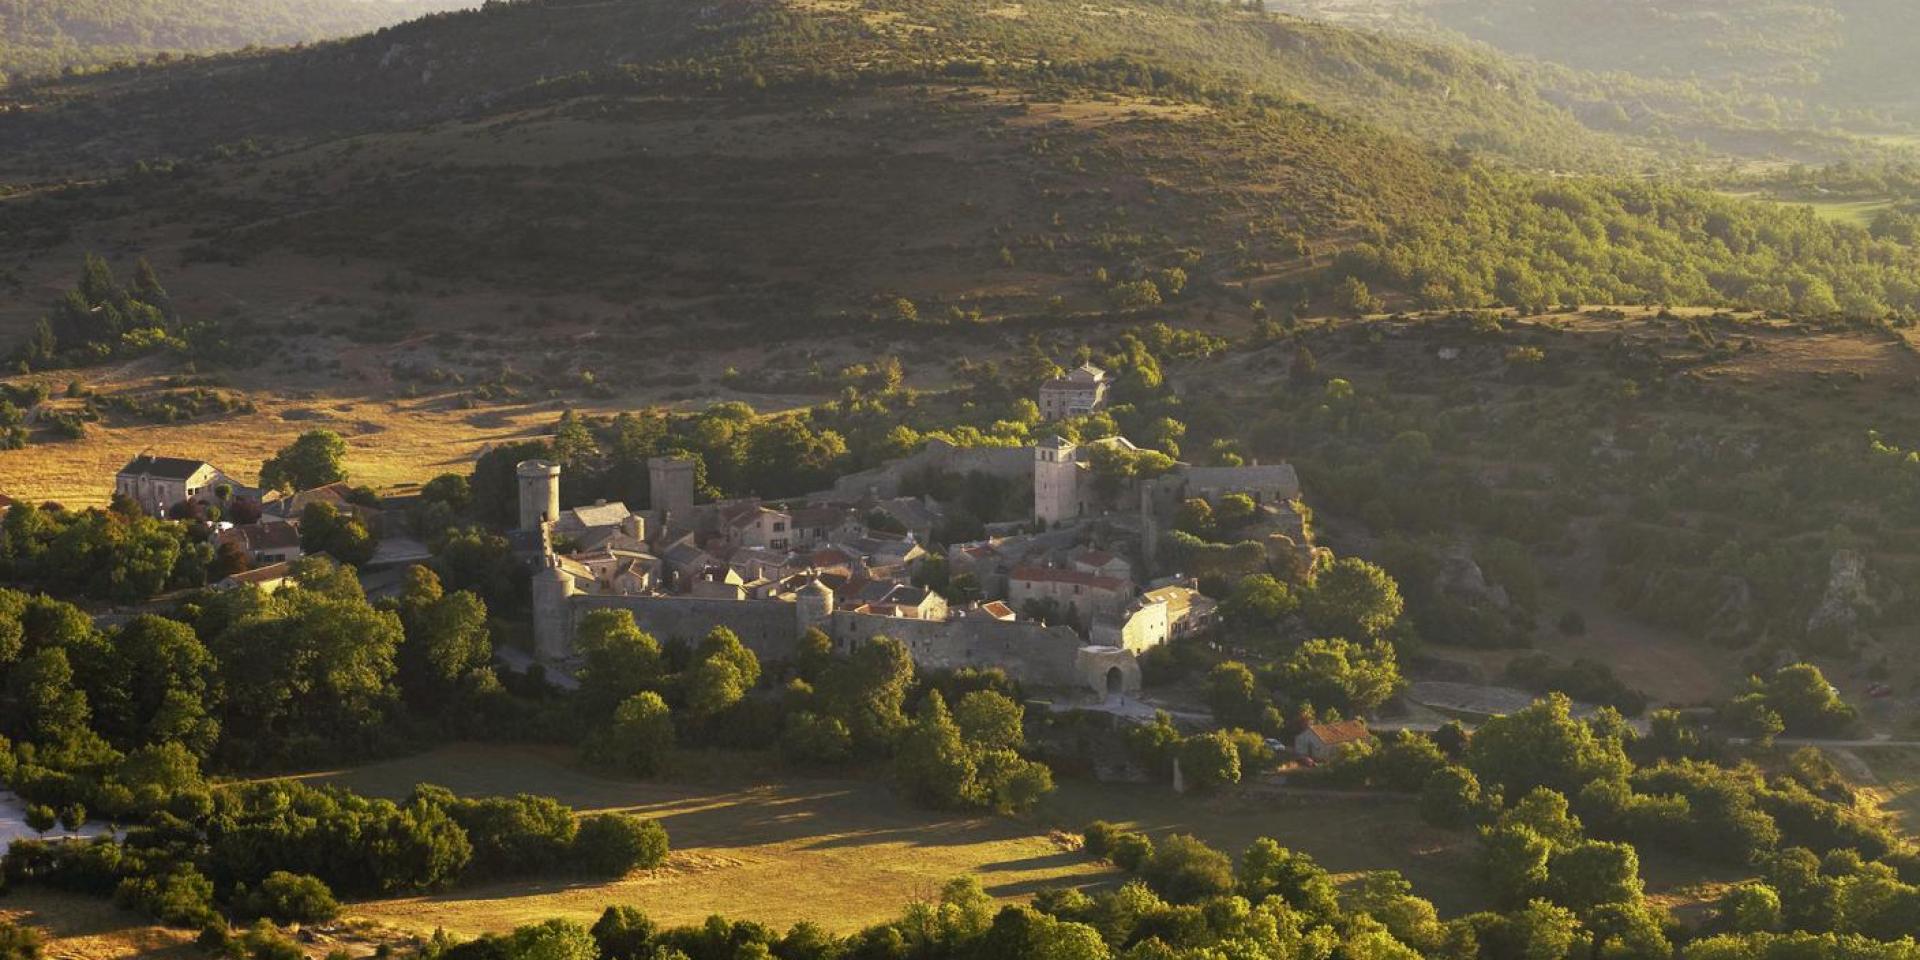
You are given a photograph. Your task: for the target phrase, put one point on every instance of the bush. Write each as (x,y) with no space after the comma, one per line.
(1130,851)
(616,844)
(182,898)
(287,898)
(1097,838)
(1185,870)
(19,943)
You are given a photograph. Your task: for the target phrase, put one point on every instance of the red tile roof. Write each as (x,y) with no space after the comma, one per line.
(1334,734)
(1057,575)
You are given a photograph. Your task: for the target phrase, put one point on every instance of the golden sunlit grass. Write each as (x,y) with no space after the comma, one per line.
(842,853)
(92,928)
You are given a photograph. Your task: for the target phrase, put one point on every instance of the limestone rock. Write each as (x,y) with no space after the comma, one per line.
(1848,601)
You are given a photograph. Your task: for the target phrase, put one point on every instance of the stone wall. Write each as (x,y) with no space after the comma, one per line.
(1027,651)
(770,628)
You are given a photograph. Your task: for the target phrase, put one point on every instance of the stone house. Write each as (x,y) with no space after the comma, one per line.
(1082,597)
(265,543)
(1142,625)
(155,484)
(812,527)
(1323,741)
(1188,610)
(754,525)
(1101,562)
(1082,391)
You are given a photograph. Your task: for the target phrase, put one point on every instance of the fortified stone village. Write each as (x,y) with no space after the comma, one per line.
(1068,596)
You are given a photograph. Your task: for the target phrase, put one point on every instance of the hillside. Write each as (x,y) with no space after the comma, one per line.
(454,66)
(664,183)
(42,37)
(1788,79)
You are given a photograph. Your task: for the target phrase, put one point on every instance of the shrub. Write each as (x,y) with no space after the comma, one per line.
(287,898)
(616,844)
(1130,851)
(1185,870)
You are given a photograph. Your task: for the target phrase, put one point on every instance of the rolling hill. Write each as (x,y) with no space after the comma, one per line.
(760,170)
(1804,80)
(42,37)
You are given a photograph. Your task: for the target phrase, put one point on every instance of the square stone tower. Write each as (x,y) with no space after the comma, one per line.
(1056,481)
(670,480)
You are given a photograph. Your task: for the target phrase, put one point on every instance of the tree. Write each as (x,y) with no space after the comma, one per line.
(1749,908)
(324,528)
(640,738)
(1185,870)
(1195,516)
(308,670)
(1538,931)
(1452,798)
(616,844)
(714,685)
(869,691)
(160,685)
(287,897)
(1270,870)
(1234,695)
(1234,511)
(1354,599)
(1543,746)
(932,763)
(721,643)
(991,720)
(1341,674)
(1513,859)
(229,558)
(1352,297)
(48,708)
(813,739)
(1806,702)
(1210,760)
(1593,872)
(315,459)
(552,940)
(447,639)
(1258,606)
(618,660)
(1545,812)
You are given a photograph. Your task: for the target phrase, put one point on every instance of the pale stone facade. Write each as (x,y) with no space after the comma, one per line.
(1082,391)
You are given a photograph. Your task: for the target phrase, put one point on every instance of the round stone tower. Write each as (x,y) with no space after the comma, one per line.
(553,593)
(813,603)
(539,492)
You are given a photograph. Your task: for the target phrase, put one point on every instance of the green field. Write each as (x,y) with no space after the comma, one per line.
(1859,213)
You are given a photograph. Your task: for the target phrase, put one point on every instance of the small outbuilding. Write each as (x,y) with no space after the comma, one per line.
(1323,741)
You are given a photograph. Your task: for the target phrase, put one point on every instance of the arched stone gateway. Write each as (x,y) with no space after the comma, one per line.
(1108,671)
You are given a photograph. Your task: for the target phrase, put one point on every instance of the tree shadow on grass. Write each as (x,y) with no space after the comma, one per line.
(1045,861)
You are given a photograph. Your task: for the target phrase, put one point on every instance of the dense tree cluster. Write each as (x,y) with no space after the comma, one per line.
(281,849)
(118,555)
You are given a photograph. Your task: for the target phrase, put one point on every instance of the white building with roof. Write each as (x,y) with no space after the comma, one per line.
(157,483)
(1082,391)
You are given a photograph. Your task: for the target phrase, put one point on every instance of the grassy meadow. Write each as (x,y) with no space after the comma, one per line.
(848,852)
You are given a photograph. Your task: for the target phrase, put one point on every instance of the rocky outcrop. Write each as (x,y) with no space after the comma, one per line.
(1461,576)
(1848,603)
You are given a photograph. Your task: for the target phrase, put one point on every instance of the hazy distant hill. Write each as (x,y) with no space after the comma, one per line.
(1823,62)
(39,37)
